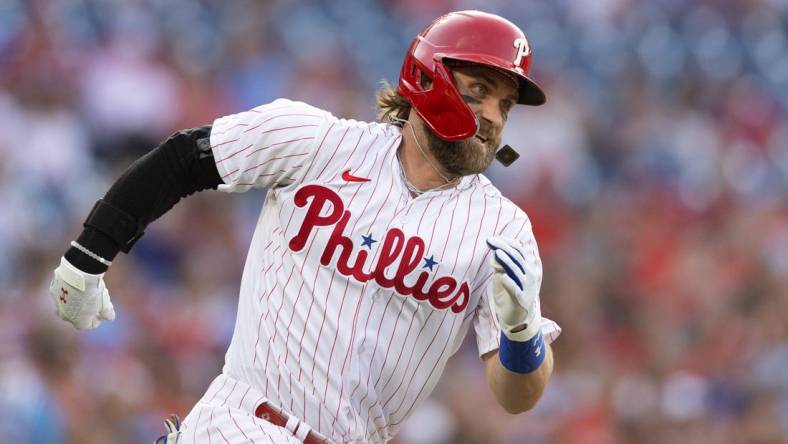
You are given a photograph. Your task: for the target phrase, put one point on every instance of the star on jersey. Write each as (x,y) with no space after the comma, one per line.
(368,241)
(429,262)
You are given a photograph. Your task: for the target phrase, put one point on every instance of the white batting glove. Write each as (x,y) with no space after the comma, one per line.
(516,284)
(80,298)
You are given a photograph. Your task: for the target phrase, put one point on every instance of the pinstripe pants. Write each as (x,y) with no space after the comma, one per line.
(226,414)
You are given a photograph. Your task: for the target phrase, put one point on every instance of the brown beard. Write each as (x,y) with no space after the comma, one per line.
(463,157)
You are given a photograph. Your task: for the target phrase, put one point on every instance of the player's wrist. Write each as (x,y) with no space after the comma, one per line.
(519,333)
(522,330)
(77,277)
(99,244)
(522,356)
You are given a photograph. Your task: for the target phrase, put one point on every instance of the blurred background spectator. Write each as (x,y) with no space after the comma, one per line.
(656,178)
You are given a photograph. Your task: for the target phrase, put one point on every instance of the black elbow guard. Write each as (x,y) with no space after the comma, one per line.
(123,228)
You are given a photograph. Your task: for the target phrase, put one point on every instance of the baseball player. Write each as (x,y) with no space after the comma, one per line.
(378,247)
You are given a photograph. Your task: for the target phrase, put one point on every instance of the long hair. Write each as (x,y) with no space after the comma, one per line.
(390,104)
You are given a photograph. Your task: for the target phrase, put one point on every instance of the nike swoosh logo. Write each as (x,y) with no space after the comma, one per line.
(346,176)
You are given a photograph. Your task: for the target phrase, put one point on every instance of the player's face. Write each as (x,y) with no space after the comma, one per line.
(490,94)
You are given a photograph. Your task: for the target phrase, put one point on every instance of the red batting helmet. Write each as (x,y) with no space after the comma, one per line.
(464,36)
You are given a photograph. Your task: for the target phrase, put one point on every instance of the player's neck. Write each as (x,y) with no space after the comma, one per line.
(421,169)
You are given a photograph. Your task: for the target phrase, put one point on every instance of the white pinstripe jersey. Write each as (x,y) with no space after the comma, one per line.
(354,293)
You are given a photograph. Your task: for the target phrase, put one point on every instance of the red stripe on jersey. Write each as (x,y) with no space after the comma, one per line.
(217,391)
(275,320)
(475,242)
(374,350)
(351,348)
(498,218)
(222,435)
(434,366)
(377,182)
(405,373)
(265,272)
(462,238)
(385,359)
(273,159)
(426,207)
(264,317)
(485,257)
(448,234)
(405,341)
(243,397)
(251,184)
(483,281)
(287,337)
(231,172)
(301,340)
(484,315)
(377,337)
(519,232)
(369,316)
(277,144)
(270,340)
(319,147)
(287,127)
(277,116)
(336,148)
(306,322)
(410,359)
(219,133)
(273,233)
(440,211)
(235,384)
(331,356)
(233,154)
(358,142)
(406,207)
(239,427)
(225,143)
(209,427)
(339,314)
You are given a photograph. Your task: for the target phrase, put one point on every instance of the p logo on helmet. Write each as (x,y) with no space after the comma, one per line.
(522,50)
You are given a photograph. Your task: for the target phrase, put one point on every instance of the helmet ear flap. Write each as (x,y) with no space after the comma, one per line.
(440,105)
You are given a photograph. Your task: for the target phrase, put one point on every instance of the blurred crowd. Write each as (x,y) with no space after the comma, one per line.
(656,177)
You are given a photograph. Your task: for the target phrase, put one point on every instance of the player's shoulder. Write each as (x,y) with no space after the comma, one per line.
(297,108)
(381,130)
(496,202)
(483,187)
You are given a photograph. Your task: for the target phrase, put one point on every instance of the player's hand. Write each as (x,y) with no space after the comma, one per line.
(516,282)
(80,298)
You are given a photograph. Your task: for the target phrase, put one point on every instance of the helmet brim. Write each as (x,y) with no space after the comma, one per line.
(528,91)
